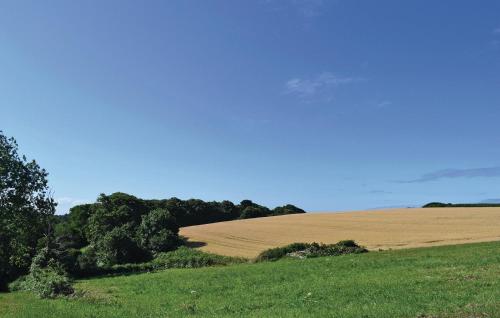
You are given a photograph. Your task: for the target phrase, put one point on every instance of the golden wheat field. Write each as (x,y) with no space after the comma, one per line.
(378,229)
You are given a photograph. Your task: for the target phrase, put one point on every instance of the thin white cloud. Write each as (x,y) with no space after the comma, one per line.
(308,8)
(488,172)
(496,31)
(384,103)
(66,203)
(379,192)
(68,200)
(322,84)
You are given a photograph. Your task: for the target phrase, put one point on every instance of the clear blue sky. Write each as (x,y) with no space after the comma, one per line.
(329,105)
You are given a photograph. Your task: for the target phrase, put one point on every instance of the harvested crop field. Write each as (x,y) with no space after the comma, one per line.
(379,229)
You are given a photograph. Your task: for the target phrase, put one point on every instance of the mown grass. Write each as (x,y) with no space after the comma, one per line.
(450,281)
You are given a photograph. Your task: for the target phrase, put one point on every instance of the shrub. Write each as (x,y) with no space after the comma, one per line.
(47,283)
(18,284)
(276,253)
(183,257)
(46,278)
(308,250)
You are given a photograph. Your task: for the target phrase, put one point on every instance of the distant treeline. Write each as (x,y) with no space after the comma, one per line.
(185,212)
(460,205)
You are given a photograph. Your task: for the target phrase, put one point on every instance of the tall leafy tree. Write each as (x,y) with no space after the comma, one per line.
(26,208)
(158,231)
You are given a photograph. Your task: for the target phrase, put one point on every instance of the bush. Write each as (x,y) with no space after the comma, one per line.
(158,232)
(47,283)
(18,284)
(183,257)
(276,253)
(46,278)
(308,250)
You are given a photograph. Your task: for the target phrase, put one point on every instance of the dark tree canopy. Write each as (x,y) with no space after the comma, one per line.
(25,209)
(121,228)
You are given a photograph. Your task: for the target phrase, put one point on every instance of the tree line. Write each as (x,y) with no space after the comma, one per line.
(121,228)
(460,205)
(116,229)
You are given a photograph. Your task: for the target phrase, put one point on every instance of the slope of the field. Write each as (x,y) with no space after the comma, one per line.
(459,281)
(380,229)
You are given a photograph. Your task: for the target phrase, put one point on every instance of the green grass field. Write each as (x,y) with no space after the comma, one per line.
(450,281)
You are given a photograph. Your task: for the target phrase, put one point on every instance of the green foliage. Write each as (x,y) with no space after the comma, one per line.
(73,227)
(87,262)
(183,257)
(118,247)
(47,278)
(287,209)
(105,219)
(251,210)
(276,253)
(437,205)
(25,210)
(18,284)
(87,223)
(124,229)
(47,283)
(460,205)
(308,250)
(121,228)
(158,231)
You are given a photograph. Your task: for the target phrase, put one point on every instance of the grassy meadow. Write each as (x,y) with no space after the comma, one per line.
(445,281)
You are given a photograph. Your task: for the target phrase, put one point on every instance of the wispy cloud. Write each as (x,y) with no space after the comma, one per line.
(384,103)
(68,200)
(66,203)
(489,172)
(322,84)
(379,192)
(496,31)
(307,9)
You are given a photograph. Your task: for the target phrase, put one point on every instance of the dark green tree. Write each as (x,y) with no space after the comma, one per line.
(158,231)
(287,209)
(71,229)
(254,211)
(26,208)
(119,247)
